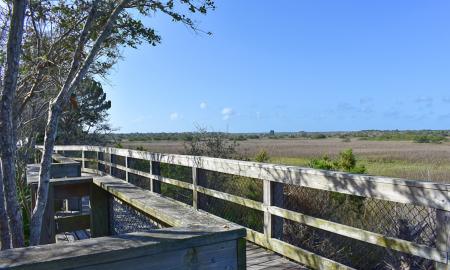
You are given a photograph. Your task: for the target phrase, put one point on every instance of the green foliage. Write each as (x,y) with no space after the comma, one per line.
(262,156)
(118,145)
(85,119)
(346,162)
(429,139)
(319,136)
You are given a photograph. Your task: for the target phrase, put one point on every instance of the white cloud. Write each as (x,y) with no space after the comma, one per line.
(174,116)
(227,113)
(203,105)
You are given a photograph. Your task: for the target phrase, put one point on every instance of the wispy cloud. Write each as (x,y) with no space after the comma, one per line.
(425,102)
(174,116)
(227,113)
(203,105)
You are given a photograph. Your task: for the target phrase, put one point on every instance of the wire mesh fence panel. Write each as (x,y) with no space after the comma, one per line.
(245,187)
(139,164)
(177,172)
(348,251)
(177,193)
(118,173)
(244,216)
(405,221)
(125,219)
(119,160)
(140,181)
(92,155)
(106,158)
(91,165)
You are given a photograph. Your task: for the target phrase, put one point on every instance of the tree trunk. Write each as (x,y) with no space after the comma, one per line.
(7,144)
(5,238)
(74,78)
(44,174)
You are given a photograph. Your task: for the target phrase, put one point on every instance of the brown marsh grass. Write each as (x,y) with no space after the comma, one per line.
(404,159)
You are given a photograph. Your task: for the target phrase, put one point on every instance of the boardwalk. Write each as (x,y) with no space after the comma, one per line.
(258,258)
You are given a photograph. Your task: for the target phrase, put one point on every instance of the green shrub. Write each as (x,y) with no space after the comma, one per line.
(262,156)
(345,162)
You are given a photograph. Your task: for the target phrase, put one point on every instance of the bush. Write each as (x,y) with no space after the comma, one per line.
(262,156)
(345,162)
(319,136)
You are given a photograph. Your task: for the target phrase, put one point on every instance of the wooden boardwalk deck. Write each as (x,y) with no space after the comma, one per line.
(258,258)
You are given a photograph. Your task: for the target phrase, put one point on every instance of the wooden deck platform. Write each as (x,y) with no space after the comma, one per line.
(258,258)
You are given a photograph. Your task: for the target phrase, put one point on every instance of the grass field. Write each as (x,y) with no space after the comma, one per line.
(404,159)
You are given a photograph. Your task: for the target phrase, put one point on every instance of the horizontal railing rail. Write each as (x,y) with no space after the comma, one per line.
(432,197)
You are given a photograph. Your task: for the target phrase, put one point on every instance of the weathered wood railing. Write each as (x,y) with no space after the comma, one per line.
(186,238)
(434,196)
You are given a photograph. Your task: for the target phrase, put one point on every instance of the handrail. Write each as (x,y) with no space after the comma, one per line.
(421,193)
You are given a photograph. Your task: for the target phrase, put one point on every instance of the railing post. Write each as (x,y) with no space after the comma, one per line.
(126,166)
(98,163)
(272,196)
(83,165)
(443,236)
(112,161)
(198,176)
(155,169)
(99,200)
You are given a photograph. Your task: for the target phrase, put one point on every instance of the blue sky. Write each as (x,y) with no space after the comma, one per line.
(289,66)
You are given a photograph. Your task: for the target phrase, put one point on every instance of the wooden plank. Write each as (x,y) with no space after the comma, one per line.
(70,190)
(83,164)
(155,169)
(126,168)
(168,211)
(443,238)
(194,247)
(195,175)
(241,245)
(231,198)
(391,189)
(267,200)
(362,235)
(295,253)
(72,223)
(58,170)
(277,199)
(99,199)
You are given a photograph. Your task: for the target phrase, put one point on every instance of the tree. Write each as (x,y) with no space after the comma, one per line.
(65,42)
(125,27)
(7,141)
(85,118)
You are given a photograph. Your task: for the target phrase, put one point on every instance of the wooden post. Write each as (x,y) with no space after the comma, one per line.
(112,160)
(99,199)
(48,231)
(155,169)
(443,237)
(198,177)
(277,199)
(126,171)
(83,164)
(98,163)
(241,254)
(272,196)
(194,187)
